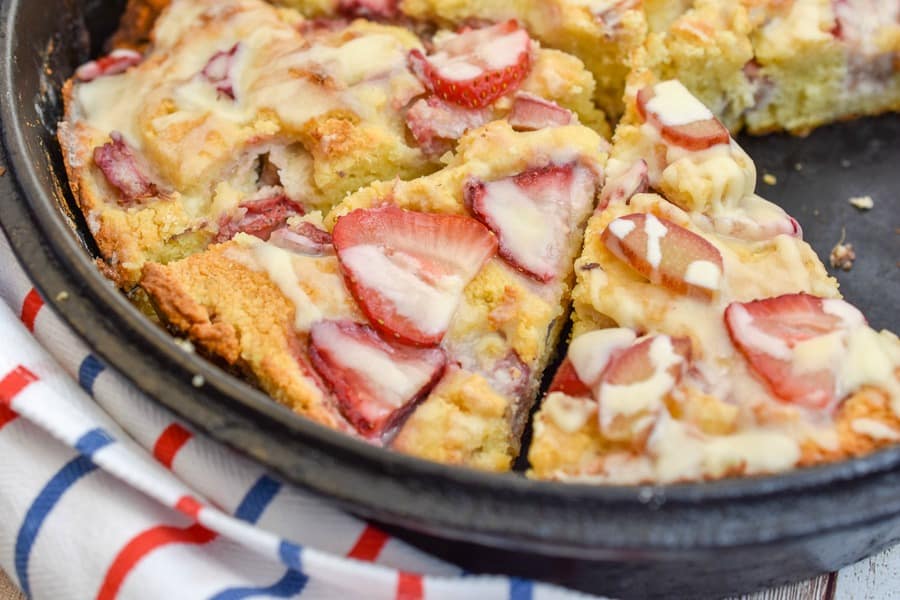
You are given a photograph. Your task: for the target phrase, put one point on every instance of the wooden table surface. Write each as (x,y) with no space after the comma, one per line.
(877,578)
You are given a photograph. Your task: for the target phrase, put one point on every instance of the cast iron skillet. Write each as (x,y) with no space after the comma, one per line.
(676,541)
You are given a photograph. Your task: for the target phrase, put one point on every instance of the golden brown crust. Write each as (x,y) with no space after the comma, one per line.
(236,315)
(137,24)
(188,317)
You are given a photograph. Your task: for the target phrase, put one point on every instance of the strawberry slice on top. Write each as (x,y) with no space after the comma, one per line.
(794,343)
(477,66)
(532,214)
(682,120)
(375,382)
(407,270)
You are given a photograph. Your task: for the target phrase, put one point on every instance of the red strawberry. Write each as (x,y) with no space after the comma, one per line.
(680,117)
(369,9)
(125,170)
(621,189)
(477,66)
(218,70)
(407,270)
(376,383)
(435,124)
(532,214)
(767,332)
(118,61)
(258,217)
(530,113)
(304,238)
(566,381)
(666,253)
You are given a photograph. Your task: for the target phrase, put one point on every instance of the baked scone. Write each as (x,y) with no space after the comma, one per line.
(241,115)
(772,64)
(708,339)
(418,314)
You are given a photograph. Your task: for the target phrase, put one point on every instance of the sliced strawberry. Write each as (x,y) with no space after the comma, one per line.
(218,71)
(666,253)
(477,66)
(125,170)
(368,9)
(621,189)
(258,217)
(303,238)
(118,61)
(435,124)
(532,214)
(566,381)
(530,113)
(681,119)
(768,331)
(407,270)
(376,383)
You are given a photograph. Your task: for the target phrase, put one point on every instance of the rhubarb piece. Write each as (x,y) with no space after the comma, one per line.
(258,217)
(407,270)
(118,61)
(666,253)
(303,238)
(755,219)
(375,382)
(681,119)
(531,213)
(125,170)
(530,113)
(218,71)
(476,67)
(633,181)
(794,343)
(368,9)
(591,352)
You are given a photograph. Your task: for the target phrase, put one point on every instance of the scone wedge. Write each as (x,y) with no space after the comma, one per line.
(418,314)
(241,115)
(708,339)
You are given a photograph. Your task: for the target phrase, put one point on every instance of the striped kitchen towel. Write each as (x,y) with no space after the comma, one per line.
(104,494)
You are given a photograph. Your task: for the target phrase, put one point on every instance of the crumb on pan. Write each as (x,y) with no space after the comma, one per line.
(770,179)
(842,255)
(862,202)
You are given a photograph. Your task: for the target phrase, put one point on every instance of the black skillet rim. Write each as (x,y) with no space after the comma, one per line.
(501,510)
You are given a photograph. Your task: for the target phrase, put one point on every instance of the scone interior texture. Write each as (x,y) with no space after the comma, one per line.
(708,340)
(417,314)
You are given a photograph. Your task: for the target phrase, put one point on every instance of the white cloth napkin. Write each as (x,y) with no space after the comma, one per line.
(105,494)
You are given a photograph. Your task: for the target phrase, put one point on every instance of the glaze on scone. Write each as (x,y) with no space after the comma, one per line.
(266,307)
(239,106)
(708,339)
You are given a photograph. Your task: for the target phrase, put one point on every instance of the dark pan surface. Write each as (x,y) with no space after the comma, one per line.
(678,541)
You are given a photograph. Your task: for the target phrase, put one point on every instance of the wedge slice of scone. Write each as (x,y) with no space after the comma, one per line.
(241,115)
(708,339)
(420,314)
(783,65)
